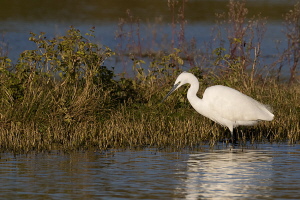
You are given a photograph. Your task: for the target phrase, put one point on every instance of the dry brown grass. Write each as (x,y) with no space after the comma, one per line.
(172,124)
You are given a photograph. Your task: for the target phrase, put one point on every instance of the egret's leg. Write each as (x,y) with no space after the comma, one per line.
(234,137)
(231,132)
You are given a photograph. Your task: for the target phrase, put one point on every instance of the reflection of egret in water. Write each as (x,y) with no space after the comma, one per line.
(227,175)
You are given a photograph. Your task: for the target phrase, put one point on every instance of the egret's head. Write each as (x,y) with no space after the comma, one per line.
(182,79)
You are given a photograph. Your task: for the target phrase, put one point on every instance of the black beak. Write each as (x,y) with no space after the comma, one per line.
(171,91)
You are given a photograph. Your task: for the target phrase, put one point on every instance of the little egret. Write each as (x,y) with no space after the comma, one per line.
(222,104)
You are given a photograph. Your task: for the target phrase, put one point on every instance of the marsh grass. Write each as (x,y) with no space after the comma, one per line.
(61,96)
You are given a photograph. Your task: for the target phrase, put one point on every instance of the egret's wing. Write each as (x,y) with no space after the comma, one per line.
(232,105)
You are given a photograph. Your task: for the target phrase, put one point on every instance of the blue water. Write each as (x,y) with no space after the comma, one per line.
(155,28)
(262,171)
(16,41)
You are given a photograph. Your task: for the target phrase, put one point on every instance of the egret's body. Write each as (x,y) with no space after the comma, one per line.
(222,104)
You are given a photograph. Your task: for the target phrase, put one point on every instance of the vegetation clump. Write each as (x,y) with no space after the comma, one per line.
(62,96)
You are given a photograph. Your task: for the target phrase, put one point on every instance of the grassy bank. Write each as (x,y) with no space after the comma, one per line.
(62,96)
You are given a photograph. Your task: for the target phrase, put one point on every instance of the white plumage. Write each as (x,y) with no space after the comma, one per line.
(222,104)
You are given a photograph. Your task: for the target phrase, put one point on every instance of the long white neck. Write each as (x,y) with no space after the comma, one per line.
(192,93)
(194,100)
(194,87)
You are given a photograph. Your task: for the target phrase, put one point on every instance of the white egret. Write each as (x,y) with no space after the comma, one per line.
(222,104)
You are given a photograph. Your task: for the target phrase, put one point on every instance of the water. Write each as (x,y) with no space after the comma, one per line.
(18,18)
(258,172)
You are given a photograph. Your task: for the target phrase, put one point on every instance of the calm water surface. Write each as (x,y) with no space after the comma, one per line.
(256,172)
